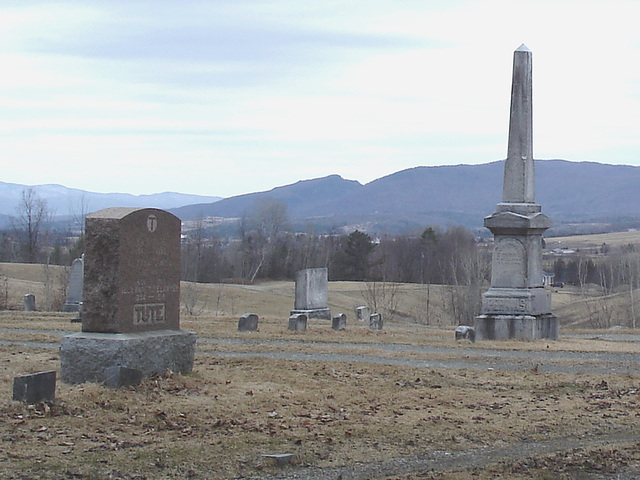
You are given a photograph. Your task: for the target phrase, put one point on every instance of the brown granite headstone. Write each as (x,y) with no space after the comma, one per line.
(131,271)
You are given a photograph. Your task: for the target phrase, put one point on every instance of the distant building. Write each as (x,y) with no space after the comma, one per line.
(548,278)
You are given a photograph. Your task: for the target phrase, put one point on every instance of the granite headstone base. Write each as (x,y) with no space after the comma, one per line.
(516,301)
(321,313)
(85,356)
(116,377)
(516,327)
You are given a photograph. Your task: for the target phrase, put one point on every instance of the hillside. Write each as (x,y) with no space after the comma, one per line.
(569,192)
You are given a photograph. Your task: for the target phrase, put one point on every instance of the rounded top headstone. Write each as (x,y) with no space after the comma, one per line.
(118,213)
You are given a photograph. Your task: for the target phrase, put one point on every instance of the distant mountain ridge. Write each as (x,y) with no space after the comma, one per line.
(408,200)
(64,201)
(445,195)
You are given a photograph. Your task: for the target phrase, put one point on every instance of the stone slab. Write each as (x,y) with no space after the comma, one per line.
(312,289)
(516,327)
(74,290)
(84,356)
(280,459)
(35,387)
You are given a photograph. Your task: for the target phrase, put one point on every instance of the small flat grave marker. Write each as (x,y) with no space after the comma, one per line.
(339,322)
(248,322)
(35,387)
(298,322)
(375,321)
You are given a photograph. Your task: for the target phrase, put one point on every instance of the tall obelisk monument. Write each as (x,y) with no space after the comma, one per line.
(517,305)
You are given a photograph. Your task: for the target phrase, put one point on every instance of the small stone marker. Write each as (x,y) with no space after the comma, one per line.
(29,302)
(363,313)
(298,322)
(118,376)
(248,322)
(464,332)
(339,322)
(312,293)
(281,459)
(375,321)
(74,291)
(131,298)
(35,387)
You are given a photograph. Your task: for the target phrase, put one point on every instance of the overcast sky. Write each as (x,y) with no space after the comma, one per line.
(229,97)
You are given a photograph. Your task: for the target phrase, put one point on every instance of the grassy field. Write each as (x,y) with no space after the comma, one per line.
(614,240)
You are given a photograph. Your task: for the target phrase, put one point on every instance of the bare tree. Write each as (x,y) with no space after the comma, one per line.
(32,217)
(382,297)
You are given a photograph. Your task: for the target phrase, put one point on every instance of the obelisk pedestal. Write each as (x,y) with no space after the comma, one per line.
(517,306)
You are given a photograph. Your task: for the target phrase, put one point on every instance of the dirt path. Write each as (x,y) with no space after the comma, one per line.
(474,357)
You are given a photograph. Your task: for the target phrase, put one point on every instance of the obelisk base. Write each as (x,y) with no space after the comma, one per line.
(321,313)
(516,327)
(85,356)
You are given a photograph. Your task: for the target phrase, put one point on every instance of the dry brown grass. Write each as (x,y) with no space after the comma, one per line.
(217,422)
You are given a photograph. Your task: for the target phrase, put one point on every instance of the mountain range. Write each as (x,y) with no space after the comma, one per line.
(577,195)
(66,202)
(596,196)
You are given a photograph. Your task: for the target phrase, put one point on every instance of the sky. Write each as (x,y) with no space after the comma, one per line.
(229,97)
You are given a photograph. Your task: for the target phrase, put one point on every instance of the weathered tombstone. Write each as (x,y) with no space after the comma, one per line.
(517,306)
(131,298)
(312,293)
(74,290)
(248,322)
(29,302)
(298,322)
(363,313)
(375,321)
(35,387)
(118,376)
(464,332)
(339,321)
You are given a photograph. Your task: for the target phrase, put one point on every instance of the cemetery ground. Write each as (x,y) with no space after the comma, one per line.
(404,403)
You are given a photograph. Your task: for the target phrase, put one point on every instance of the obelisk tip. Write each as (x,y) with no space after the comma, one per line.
(523,48)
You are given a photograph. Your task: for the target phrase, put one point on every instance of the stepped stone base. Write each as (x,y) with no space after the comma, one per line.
(516,327)
(85,356)
(322,313)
